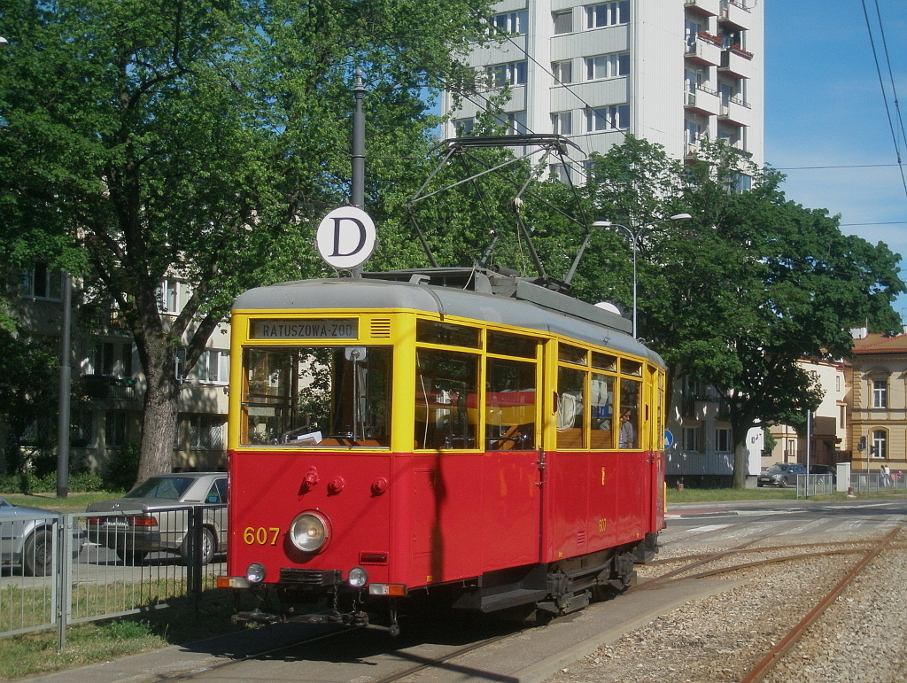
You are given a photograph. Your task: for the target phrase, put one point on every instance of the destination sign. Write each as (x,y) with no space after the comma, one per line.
(321,328)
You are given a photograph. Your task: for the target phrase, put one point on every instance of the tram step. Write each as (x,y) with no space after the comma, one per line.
(512,598)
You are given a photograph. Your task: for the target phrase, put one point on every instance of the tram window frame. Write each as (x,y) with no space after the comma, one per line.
(520,352)
(569,408)
(634,409)
(574,355)
(284,410)
(511,345)
(447,334)
(438,433)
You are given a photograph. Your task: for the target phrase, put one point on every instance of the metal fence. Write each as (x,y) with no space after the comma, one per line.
(860,482)
(79,567)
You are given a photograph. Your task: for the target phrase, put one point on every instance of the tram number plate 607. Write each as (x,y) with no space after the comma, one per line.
(260,535)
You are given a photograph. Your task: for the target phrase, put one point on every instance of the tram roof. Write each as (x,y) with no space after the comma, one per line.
(490,297)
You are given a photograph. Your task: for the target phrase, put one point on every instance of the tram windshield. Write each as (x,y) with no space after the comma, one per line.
(316,396)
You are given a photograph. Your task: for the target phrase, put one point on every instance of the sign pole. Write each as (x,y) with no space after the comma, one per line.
(357,188)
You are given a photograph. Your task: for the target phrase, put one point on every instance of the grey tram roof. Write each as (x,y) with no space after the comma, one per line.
(467,293)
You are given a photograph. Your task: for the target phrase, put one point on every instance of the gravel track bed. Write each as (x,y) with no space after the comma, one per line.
(863,637)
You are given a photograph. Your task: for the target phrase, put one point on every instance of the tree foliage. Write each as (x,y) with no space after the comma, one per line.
(203,140)
(749,286)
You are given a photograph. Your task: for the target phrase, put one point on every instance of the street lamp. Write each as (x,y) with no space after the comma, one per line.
(634,245)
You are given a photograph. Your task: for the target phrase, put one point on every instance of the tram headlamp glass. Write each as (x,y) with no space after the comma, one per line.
(358,577)
(309,532)
(255,573)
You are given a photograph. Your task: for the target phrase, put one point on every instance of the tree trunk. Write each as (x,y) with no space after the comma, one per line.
(741,462)
(161,409)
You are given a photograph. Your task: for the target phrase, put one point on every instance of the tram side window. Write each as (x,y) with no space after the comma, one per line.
(317,396)
(600,411)
(446,399)
(570,402)
(628,436)
(510,405)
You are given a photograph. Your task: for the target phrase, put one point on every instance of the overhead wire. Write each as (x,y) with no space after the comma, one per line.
(875,56)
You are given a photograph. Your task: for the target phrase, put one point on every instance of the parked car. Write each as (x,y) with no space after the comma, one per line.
(27,537)
(154,516)
(824,469)
(780,474)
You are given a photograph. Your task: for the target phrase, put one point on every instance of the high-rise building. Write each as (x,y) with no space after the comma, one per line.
(672,72)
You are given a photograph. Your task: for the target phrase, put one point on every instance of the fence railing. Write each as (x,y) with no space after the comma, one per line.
(83,567)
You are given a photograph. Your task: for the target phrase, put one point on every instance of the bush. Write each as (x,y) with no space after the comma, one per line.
(123,468)
(32,483)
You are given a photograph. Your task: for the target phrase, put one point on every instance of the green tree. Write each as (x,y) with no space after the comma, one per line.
(204,140)
(755,282)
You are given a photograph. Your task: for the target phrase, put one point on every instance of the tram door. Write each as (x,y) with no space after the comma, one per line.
(511,462)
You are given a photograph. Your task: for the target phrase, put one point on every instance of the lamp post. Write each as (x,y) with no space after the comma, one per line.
(634,246)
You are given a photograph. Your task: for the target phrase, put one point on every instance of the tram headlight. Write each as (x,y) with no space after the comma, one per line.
(309,532)
(358,577)
(255,573)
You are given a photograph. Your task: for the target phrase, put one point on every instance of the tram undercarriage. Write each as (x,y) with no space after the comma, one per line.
(549,590)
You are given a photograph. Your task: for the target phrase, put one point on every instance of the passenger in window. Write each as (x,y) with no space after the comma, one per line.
(627,432)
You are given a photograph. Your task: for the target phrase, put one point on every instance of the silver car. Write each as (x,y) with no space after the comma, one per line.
(154,516)
(27,538)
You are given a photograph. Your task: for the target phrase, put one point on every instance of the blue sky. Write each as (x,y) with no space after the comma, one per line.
(825,107)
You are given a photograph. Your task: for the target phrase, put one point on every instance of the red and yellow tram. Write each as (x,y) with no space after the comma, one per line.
(452,433)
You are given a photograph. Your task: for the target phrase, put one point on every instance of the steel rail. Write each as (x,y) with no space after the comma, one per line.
(767,663)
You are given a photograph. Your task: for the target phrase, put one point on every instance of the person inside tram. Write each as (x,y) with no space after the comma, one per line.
(627,431)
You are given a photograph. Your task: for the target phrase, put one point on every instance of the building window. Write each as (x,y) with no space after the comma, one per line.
(115,428)
(607,66)
(880,444)
(616,117)
(168,296)
(513,73)
(511,22)
(563,22)
(608,14)
(880,393)
(213,367)
(560,172)
(562,123)
(723,440)
(463,127)
(42,282)
(692,440)
(515,123)
(207,432)
(562,71)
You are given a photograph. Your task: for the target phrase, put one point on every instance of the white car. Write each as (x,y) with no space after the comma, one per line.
(27,537)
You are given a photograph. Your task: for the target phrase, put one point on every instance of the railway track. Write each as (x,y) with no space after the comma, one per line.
(749,635)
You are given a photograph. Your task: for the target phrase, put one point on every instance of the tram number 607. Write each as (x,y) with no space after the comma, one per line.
(261,536)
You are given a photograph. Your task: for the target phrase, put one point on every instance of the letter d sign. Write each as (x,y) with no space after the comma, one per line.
(345,237)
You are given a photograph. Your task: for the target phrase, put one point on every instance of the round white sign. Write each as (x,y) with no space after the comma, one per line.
(345,237)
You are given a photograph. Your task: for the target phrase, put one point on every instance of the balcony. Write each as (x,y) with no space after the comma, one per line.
(736,112)
(705,49)
(737,63)
(733,13)
(704,101)
(705,8)
(115,392)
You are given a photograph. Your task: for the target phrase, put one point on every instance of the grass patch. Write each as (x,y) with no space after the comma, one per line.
(32,654)
(74,502)
(689,495)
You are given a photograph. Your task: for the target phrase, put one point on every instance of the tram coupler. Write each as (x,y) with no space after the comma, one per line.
(256,616)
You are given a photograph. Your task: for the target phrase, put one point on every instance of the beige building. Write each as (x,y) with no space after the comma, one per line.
(878,402)
(828,443)
(108,384)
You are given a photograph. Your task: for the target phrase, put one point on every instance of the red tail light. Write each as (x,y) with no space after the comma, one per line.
(142,521)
